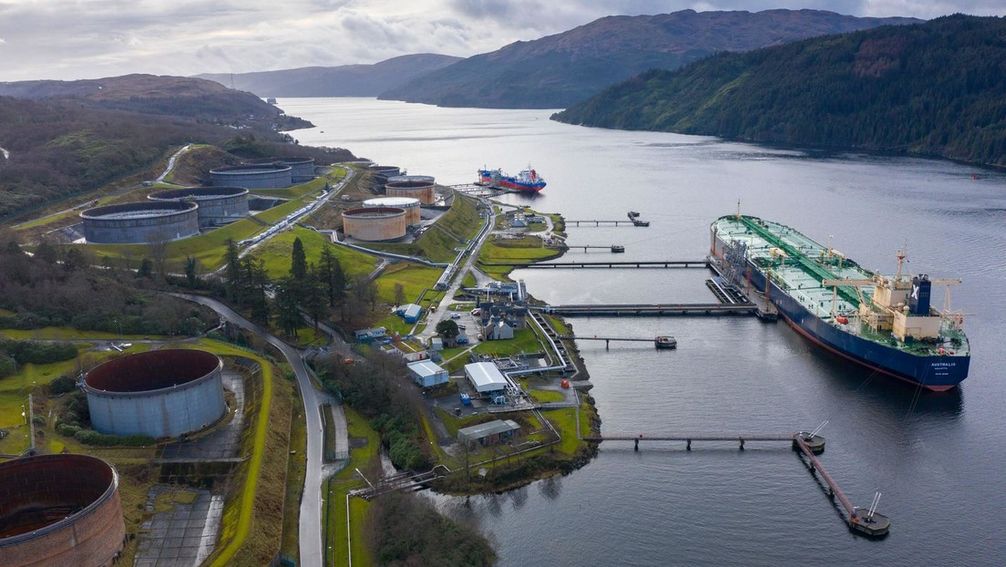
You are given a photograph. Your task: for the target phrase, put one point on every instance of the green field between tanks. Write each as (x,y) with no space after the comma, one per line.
(68,333)
(276,253)
(414,279)
(364,458)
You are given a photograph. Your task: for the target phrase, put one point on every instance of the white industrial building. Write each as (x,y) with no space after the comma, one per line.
(485,377)
(427,373)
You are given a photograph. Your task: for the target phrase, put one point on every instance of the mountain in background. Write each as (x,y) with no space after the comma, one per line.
(187,97)
(936,89)
(346,80)
(559,70)
(70,137)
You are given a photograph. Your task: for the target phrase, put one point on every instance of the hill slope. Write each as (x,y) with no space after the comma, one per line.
(559,70)
(345,80)
(197,99)
(64,138)
(937,88)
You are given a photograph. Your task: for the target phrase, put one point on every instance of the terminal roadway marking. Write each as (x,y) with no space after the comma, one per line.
(310,507)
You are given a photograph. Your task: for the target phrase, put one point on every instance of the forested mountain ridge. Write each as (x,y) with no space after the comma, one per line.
(559,70)
(343,80)
(197,99)
(936,88)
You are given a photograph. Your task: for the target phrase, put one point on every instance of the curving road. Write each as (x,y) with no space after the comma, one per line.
(171,163)
(310,505)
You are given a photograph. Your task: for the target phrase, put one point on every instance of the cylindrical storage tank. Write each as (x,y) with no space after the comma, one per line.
(262,176)
(374,224)
(217,205)
(380,174)
(301,168)
(59,510)
(416,186)
(408,204)
(423,178)
(137,223)
(161,393)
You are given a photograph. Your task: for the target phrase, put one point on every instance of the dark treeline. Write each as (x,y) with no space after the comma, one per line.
(379,388)
(407,530)
(936,88)
(18,353)
(319,291)
(60,287)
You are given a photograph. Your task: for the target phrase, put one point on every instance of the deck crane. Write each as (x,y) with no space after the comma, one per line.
(834,284)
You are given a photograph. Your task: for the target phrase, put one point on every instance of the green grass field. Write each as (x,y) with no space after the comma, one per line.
(67,333)
(276,253)
(413,277)
(364,458)
(526,250)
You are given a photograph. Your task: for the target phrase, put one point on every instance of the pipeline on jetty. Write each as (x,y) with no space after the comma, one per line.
(867,522)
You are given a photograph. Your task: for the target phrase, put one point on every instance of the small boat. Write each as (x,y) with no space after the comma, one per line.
(665,341)
(617,248)
(633,214)
(640,222)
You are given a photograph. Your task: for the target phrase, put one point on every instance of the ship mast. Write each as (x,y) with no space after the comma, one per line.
(901,255)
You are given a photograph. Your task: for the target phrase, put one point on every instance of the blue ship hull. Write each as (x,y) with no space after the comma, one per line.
(937,373)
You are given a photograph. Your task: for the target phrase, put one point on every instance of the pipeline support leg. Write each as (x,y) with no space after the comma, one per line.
(742,444)
(688,446)
(636,448)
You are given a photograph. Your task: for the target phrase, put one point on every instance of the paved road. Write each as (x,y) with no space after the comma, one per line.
(171,163)
(310,508)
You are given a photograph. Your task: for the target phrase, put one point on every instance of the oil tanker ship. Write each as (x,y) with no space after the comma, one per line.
(527,180)
(885,324)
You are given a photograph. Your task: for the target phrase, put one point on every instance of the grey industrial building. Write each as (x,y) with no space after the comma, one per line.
(260,176)
(217,205)
(426,373)
(161,393)
(489,433)
(138,223)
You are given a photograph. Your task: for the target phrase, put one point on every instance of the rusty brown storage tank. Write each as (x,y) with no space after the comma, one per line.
(160,393)
(410,205)
(374,224)
(58,510)
(420,187)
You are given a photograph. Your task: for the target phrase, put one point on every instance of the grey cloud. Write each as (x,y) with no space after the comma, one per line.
(108,37)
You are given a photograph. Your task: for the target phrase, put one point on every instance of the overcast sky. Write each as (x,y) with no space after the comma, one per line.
(63,39)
